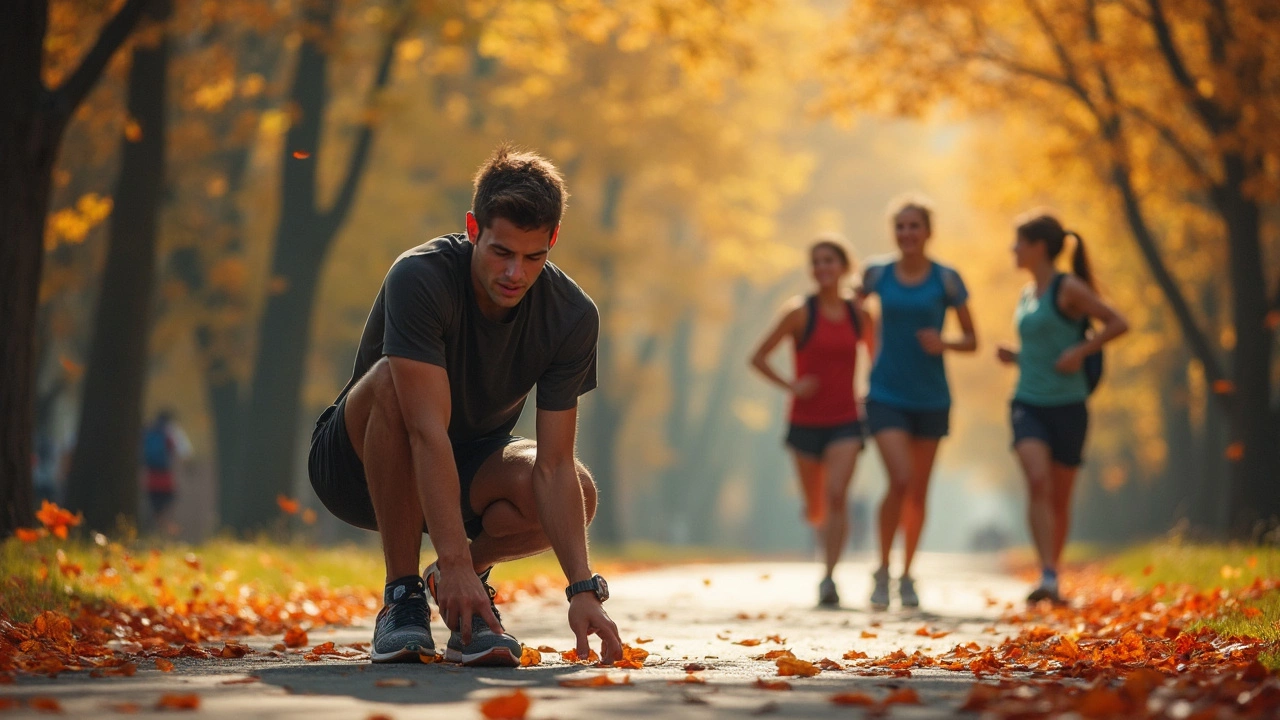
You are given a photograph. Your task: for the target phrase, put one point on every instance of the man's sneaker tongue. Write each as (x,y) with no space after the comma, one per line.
(398,589)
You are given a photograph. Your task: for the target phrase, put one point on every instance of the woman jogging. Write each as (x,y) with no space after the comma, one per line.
(1048,412)
(826,432)
(909,404)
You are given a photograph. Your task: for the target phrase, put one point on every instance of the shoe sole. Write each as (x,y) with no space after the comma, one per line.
(493,657)
(408,653)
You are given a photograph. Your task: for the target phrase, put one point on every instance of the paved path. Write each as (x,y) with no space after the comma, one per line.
(687,610)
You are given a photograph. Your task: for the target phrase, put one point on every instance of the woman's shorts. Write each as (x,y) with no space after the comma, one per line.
(929,424)
(1061,427)
(813,441)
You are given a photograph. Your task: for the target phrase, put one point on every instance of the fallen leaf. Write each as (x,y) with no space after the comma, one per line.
(529,656)
(689,679)
(829,664)
(548,649)
(178,702)
(571,655)
(694,667)
(867,635)
(763,684)
(853,698)
(295,637)
(902,696)
(512,706)
(164,665)
(643,640)
(749,642)
(774,655)
(595,681)
(791,666)
(45,704)
(855,655)
(289,505)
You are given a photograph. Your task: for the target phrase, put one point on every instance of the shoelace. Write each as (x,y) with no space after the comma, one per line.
(477,622)
(406,612)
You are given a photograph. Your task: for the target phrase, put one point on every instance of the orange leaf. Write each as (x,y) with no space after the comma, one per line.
(866,635)
(595,681)
(853,698)
(763,684)
(164,665)
(301,154)
(548,649)
(295,636)
(1223,387)
(902,696)
(643,640)
(179,702)
(829,664)
(775,654)
(45,704)
(30,535)
(777,639)
(1235,451)
(855,655)
(749,642)
(689,679)
(792,666)
(428,658)
(529,656)
(571,655)
(309,516)
(288,504)
(506,707)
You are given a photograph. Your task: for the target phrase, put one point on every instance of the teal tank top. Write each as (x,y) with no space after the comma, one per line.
(1045,333)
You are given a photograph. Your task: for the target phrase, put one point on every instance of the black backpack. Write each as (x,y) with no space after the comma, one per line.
(1093,363)
(811,303)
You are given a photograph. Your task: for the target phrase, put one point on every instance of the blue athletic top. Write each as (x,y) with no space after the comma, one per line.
(904,375)
(1045,333)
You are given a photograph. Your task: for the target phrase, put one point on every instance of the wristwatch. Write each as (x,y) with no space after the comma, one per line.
(595,585)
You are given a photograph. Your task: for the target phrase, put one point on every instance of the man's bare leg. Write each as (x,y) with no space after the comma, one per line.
(502,493)
(381,441)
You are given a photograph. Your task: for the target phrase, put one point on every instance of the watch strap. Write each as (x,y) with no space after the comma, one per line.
(588,585)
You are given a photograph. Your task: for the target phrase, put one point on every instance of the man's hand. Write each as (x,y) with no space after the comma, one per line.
(587,617)
(461,596)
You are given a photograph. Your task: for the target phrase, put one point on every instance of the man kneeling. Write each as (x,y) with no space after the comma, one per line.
(420,439)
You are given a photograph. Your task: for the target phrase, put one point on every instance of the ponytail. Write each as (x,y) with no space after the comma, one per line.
(1080,261)
(1046,229)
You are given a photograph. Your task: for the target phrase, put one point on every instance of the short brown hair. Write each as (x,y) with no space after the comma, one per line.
(912,201)
(523,187)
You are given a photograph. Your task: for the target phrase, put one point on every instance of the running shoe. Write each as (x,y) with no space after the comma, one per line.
(1047,590)
(880,595)
(907,592)
(401,632)
(487,648)
(827,595)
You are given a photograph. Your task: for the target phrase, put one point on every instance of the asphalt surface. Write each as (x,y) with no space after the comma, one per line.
(691,613)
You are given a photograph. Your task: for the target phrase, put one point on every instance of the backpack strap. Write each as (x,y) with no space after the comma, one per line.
(811,320)
(1055,289)
(854,319)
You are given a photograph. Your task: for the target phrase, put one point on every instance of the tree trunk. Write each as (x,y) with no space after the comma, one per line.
(32,120)
(103,481)
(303,238)
(1255,467)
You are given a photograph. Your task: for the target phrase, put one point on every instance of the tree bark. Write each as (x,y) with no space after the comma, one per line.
(103,481)
(32,120)
(304,236)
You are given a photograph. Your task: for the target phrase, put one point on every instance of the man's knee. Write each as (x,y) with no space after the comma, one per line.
(590,496)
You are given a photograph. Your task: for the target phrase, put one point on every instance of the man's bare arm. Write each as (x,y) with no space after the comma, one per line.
(562,515)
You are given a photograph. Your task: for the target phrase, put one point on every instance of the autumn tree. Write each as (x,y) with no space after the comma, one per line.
(1161,98)
(103,478)
(34,112)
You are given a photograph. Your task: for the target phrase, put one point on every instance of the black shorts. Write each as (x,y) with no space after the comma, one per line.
(338,478)
(813,441)
(1061,427)
(932,424)
(160,500)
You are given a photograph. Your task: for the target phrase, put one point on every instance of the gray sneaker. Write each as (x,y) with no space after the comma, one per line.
(487,648)
(907,592)
(880,595)
(401,632)
(827,595)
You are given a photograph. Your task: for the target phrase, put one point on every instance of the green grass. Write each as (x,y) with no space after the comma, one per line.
(223,565)
(1206,567)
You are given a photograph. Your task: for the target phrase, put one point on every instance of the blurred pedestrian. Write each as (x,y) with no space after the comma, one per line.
(1059,364)
(164,447)
(909,403)
(826,433)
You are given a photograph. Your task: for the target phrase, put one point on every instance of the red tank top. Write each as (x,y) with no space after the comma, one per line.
(831,354)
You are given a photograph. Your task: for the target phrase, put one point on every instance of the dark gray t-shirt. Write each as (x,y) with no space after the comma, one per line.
(427,311)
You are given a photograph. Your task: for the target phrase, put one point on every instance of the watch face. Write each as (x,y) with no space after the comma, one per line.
(602,589)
